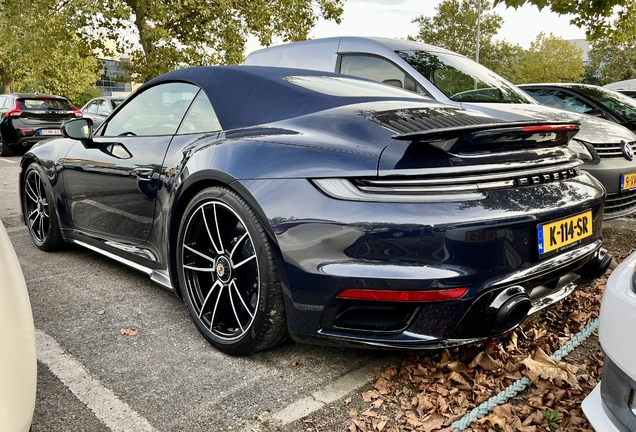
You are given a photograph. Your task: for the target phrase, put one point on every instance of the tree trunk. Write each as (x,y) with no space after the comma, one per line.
(6,84)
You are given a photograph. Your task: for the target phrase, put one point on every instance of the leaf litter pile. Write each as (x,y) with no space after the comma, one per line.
(430,391)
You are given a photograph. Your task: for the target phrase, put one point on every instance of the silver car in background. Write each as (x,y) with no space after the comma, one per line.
(607,148)
(18,362)
(99,108)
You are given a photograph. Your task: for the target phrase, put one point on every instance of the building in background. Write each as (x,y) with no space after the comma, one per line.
(583,45)
(115,79)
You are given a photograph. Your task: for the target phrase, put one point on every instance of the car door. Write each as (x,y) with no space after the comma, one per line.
(111,183)
(103,111)
(90,110)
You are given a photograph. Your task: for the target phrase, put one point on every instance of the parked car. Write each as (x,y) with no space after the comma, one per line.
(453,79)
(18,362)
(629,84)
(99,108)
(28,118)
(586,99)
(612,404)
(341,210)
(628,93)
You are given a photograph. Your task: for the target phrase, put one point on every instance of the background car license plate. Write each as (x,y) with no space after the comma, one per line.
(628,181)
(563,232)
(480,236)
(50,132)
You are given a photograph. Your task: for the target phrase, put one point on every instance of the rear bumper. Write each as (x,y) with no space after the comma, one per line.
(488,246)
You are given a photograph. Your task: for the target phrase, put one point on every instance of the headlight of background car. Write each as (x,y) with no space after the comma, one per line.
(581,149)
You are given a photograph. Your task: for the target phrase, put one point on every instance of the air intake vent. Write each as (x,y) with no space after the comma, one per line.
(409,121)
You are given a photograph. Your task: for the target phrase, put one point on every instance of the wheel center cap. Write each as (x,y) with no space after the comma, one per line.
(39,207)
(223,269)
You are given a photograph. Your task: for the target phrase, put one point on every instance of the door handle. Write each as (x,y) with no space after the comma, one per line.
(143,173)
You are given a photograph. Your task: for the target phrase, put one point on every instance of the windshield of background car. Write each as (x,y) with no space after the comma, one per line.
(116,102)
(44,104)
(462,79)
(615,101)
(349,87)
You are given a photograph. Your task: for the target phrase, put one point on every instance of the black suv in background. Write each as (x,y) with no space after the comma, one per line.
(26,118)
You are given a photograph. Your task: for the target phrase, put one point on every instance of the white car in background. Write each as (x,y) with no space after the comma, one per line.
(18,362)
(612,404)
(606,147)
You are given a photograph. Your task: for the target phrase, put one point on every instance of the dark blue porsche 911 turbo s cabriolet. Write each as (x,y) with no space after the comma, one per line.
(335,209)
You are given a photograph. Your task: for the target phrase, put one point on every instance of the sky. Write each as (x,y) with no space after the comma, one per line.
(392,18)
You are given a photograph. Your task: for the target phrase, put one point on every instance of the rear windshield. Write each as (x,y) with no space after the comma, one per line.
(348,87)
(44,104)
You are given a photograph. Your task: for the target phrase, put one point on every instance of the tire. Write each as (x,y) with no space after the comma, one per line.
(39,210)
(5,150)
(227,274)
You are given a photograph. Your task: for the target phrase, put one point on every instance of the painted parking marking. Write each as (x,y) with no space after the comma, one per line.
(107,407)
(332,392)
(7,161)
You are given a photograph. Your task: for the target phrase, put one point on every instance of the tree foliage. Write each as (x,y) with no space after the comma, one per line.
(612,61)
(178,33)
(615,19)
(43,55)
(551,59)
(454,26)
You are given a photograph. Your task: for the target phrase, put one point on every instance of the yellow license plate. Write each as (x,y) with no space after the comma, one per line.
(628,181)
(563,232)
(480,236)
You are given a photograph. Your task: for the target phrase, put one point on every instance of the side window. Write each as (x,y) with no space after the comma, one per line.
(577,104)
(157,111)
(103,107)
(553,98)
(92,108)
(372,68)
(200,117)
(3,101)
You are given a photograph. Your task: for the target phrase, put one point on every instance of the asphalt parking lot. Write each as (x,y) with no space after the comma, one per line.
(167,377)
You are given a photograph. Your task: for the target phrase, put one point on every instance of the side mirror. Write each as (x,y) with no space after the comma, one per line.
(393,82)
(78,129)
(596,113)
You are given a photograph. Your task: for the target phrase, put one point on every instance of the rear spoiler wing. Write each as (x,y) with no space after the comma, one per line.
(496,136)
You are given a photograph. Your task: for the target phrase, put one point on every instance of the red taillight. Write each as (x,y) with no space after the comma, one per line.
(402,296)
(15,112)
(77,112)
(548,128)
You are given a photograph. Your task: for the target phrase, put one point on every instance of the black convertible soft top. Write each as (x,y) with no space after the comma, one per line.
(245,96)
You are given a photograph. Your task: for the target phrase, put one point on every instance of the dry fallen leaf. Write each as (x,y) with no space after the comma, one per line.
(101,312)
(486,362)
(296,363)
(308,420)
(133,331)
(347,401)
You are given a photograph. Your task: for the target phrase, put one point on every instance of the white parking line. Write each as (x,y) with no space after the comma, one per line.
(329,394)
(111,411)
(7,161)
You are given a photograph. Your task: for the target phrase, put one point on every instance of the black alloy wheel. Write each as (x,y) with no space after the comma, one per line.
(227,274)
(5,150)
(39,210)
